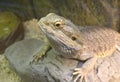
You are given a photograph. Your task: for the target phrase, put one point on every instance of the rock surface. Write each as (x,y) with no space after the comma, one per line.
(6,74)
(53,68)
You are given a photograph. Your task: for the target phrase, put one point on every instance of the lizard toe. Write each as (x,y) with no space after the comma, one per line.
(80,74)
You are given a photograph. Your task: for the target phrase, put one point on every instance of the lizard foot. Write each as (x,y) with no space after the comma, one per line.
(80,74)
(37,56)
(40,53)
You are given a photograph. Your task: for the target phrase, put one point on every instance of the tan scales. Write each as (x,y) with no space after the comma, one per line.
(85,43)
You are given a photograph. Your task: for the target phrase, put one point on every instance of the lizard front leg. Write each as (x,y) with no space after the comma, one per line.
(81,73)
(40,53)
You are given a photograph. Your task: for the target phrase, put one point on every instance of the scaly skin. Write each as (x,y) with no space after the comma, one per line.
(83,44)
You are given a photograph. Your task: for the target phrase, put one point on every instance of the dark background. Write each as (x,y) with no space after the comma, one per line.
(81,12)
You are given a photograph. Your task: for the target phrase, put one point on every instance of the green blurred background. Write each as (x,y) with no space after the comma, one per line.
(81,12)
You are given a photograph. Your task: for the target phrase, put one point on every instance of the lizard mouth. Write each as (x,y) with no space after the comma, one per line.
(61,46)
(61,38)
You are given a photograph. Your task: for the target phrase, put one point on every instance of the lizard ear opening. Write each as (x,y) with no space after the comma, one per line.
(73,38)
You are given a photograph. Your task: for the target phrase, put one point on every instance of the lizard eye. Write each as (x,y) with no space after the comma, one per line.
(57,24)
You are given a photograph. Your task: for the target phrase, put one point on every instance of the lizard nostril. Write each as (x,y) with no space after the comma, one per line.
(73,38)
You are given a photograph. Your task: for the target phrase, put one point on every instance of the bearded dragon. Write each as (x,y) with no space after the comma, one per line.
(83,43)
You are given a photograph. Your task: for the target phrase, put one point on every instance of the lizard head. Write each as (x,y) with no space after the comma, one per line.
(62,34)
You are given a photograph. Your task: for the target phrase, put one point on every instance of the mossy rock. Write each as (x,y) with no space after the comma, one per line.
(6,74)
(11,30)
(8,22)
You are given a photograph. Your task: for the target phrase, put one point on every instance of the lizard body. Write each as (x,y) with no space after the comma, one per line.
(88,43)
(100,41)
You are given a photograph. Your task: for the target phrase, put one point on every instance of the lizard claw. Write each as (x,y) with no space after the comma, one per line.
(40,54)
(37,57)
(80,73)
